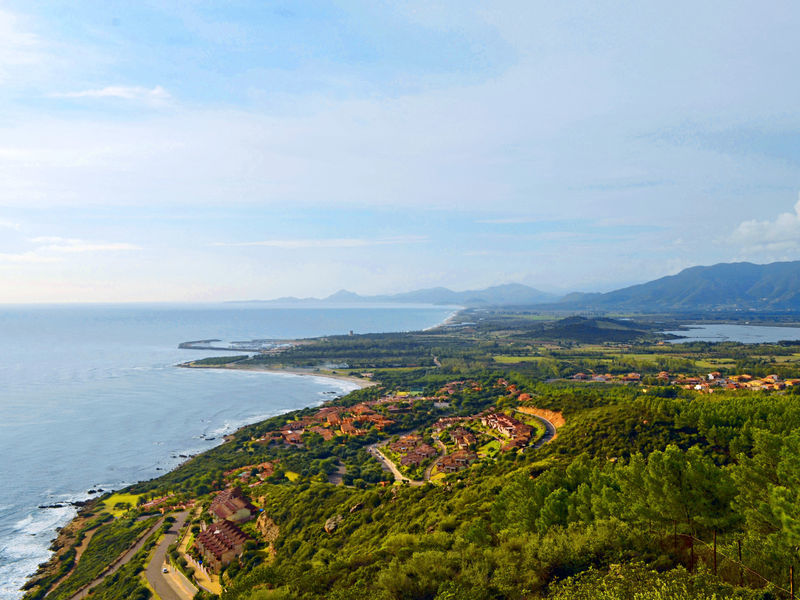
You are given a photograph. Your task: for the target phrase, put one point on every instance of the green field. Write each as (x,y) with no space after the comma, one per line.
(509,360)
(489,449)
(112,502)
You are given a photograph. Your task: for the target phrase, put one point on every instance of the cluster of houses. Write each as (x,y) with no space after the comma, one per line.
(166,503)
(413,450)
(455,461)
(519,433)
(731,382)
(459,386)
(222,541)
(706,383)
(446,422)
(608,377)
(330,421)
(252,474)
(462,438)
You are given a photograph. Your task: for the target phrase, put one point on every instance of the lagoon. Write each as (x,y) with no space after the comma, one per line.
(725,332)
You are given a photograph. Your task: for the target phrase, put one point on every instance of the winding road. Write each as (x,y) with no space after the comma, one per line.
(173,584)
(549,433)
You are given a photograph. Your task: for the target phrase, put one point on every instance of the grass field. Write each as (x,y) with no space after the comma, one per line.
(507,360)
(116,499)
(489,449)
(292,476)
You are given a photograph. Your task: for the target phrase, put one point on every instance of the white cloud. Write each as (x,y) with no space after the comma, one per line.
(153,96)
(326,243)
(4,224)
(18,49)
(25,258)
(72,245)
(781,234)
(509,221)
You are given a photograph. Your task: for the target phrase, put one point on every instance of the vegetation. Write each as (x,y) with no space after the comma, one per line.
(108,543)
(649,491)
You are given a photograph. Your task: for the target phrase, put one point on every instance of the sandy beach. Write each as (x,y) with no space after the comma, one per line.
(362,383)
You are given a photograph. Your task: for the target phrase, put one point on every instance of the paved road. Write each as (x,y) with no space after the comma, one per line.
(122,560)
(388,465)
(171,585)
(442,453)
(549,433)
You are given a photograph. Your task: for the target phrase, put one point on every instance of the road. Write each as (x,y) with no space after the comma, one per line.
(171,585)
(549,433)
(387,464)
(122,560)
(442,452)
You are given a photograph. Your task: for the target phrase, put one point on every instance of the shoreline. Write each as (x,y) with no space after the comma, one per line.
(360,382)
(61,533)
(450,318)
(64,534)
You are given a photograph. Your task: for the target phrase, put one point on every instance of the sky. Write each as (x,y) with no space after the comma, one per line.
(207,151)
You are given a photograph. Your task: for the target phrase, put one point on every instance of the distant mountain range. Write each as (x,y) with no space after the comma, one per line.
(725,286)
(500,295)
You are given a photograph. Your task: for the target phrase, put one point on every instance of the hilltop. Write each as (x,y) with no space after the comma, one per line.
(724,286)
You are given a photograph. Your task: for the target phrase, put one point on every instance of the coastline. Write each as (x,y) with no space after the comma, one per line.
(62,533)
(450,318)
(362,383)
(65,538)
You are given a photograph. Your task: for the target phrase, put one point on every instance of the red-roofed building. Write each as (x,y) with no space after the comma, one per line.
(220,543)
(231,505)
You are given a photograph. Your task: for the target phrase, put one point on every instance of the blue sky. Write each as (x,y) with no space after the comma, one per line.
(180,151)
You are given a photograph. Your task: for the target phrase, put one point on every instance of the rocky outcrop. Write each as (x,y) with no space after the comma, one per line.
(268,529)
(332,523)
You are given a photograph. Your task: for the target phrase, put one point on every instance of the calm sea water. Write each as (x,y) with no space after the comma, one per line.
(747,334)
(90,397)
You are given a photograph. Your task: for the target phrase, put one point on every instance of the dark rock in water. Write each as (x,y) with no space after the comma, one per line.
(210,439)
(92,492)
(56,505)
(182,456)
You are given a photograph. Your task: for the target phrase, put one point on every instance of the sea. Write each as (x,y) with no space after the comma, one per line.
(91,398)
